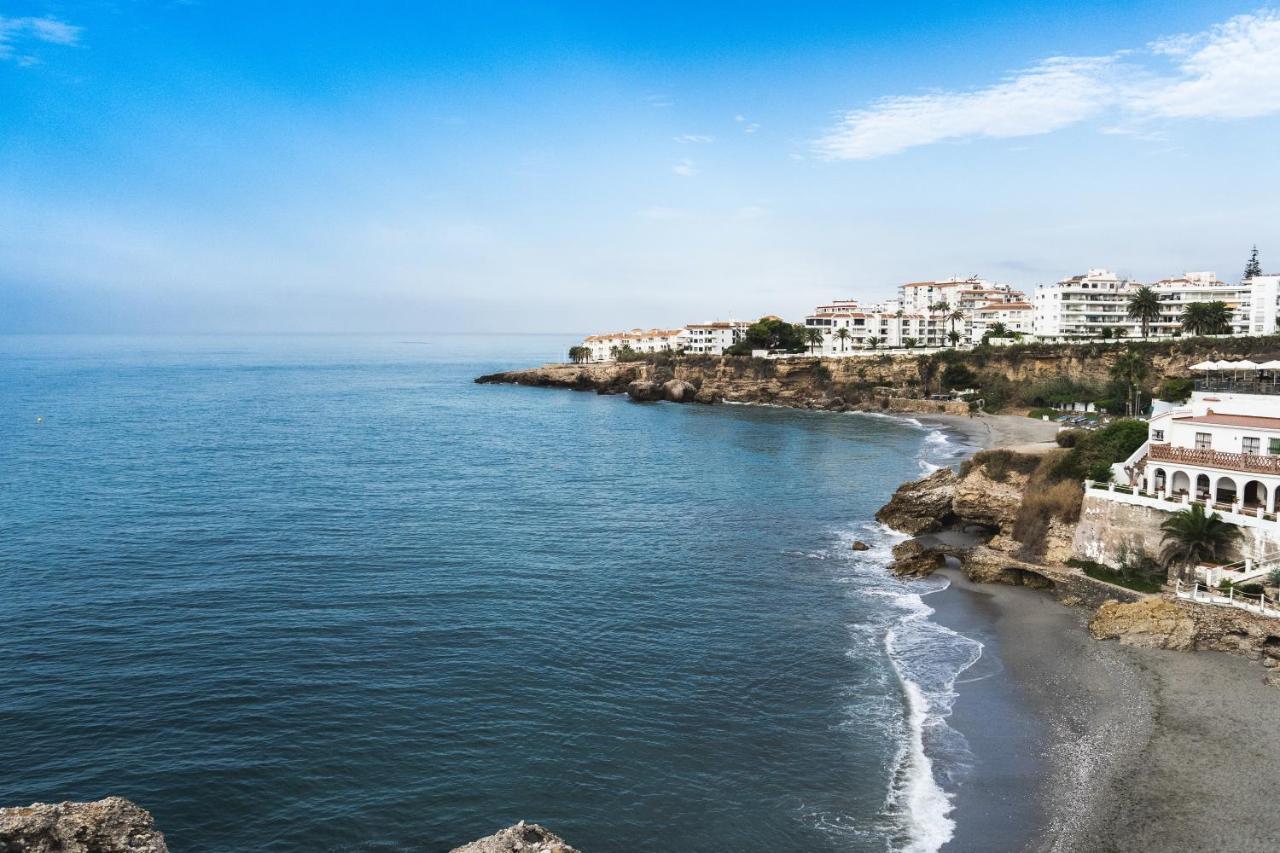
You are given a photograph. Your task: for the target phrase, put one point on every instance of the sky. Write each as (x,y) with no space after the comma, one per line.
(225,167)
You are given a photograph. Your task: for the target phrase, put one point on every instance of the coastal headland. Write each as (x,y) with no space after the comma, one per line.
(1156,742)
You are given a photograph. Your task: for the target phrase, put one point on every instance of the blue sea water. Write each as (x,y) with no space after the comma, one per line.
(328,594)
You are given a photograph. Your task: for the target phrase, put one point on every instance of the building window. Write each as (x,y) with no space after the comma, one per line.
(1203,441)
(1273,446)
(1251,444)
(1157,435)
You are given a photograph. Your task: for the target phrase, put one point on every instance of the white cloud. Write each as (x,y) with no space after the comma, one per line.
(15,31)
(693,139)
(658,101)
(685,168)
(752,211)
(1232,71)
(1229,71)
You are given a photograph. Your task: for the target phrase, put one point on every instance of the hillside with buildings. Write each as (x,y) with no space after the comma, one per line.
(965,312)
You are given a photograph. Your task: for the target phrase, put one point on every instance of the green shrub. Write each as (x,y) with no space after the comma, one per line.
(1093,454)
(1176,390)
(997,464)
(1042,412)
(958,376)
(1069,437)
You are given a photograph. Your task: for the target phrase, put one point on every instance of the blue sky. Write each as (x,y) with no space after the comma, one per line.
(417,167)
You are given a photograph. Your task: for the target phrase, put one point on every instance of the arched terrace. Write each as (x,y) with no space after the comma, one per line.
(1202,487)
(1225,492)
(1179,484)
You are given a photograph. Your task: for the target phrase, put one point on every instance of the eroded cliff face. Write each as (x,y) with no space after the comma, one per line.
(111,825)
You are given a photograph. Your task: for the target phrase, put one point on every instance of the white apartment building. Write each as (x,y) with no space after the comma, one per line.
(1015,316)
(964,294)
(860,326)
(1263,309)
(1176,293)
(1083,305)
(712,338)
(605,347)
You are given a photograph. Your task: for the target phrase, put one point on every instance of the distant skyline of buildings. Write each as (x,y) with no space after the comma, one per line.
(961,311)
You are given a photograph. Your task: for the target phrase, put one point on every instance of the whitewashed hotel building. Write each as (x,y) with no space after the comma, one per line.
(878,322)
(1017,317)
(1222,448)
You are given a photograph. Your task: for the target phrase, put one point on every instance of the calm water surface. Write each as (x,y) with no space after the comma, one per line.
(327,594)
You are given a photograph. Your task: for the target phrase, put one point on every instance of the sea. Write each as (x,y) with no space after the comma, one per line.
(328,594)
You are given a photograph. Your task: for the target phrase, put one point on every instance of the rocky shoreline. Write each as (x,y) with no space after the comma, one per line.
(115,825)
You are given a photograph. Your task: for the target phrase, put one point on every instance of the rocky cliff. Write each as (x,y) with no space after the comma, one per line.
(112,825)
(872,381)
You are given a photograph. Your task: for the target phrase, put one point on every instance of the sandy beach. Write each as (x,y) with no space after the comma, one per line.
(1126,749)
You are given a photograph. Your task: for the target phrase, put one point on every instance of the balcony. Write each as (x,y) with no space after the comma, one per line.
(1251,462)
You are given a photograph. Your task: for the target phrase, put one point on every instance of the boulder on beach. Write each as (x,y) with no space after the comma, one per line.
(521,838)
(859,545)
(111,825)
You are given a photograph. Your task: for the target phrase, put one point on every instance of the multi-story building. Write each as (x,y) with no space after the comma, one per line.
(1177,293)
(1082,306)
(1016,317)
(847,327)
(606,347)
(966,295)
(1264,304)
(712,338)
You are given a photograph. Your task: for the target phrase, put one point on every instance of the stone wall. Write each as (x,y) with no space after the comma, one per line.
(1109,531)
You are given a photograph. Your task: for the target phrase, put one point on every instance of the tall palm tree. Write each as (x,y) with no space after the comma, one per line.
(843,334)
(1192,537)
(1144,306)
(899,314)
(954,337)
(814,336)
(1132,369)
(1206,318)
(942,307)
(956,314)
(910,343)
(873,341)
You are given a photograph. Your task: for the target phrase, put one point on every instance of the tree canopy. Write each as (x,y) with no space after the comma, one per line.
(1206,318)
(1252,268)
(774,334)
(1144,306)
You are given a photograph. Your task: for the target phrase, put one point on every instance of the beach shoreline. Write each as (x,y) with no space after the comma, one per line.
(1126,748)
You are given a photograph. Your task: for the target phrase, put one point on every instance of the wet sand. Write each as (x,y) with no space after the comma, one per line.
(1124,749)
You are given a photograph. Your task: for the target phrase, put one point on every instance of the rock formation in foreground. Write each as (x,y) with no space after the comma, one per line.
(521,838)
(111,825)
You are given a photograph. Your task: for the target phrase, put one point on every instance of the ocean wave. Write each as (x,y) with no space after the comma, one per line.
(925,659)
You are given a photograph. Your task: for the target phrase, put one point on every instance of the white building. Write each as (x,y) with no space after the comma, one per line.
(848,328)
(606,347)
(1083,305)
(958,294)
(1264,304)
(1222,447)
(712,338)
(1177,293)
(1016,317)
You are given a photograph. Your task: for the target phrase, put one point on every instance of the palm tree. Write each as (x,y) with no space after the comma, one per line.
(956,314)
(814,337)
(1192,537)
(613,351)
(942,307)
(1131,369)
(954,337)
(910,343)
(1206,318)
(579,354)
(873,342)
(843,334)
(1144,306)
(998,330)
(899,314)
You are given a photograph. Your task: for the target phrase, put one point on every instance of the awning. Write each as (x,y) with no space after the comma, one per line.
(1207,365)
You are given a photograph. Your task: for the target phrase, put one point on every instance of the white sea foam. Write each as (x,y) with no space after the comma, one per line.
(926,659)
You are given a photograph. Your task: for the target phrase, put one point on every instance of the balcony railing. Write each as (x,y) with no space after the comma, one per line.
(1252,462)
(1239,385)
